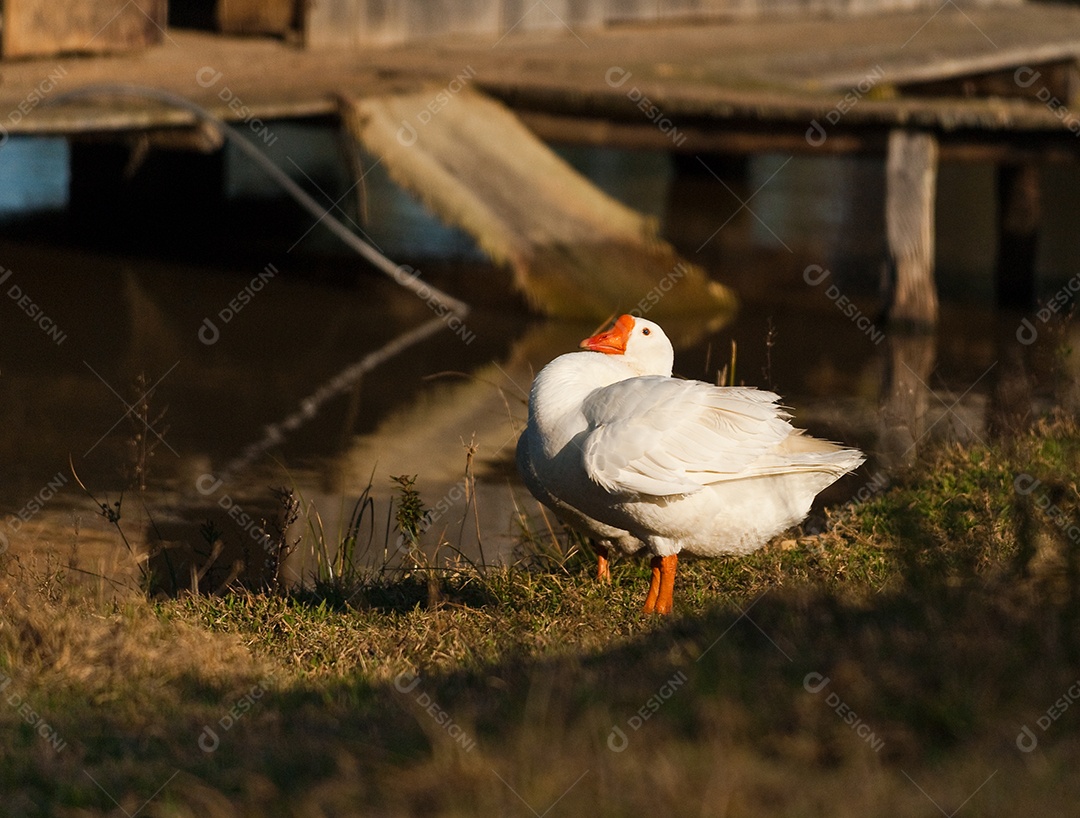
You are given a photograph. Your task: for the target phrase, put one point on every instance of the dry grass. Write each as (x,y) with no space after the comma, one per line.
(943,612)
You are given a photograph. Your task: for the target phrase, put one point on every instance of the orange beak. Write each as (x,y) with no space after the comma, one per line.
(612,341)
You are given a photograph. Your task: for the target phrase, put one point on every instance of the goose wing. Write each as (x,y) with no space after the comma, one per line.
(659,436)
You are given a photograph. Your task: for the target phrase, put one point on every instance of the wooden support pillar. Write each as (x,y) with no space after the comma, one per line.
(905,397)
(1018,231)
(910,186)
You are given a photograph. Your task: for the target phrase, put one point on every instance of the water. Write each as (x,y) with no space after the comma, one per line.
(284,390)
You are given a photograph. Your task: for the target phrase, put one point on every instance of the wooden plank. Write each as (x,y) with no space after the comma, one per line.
(574,250)
(1028,80)
(257,16)
(379,22)
(963,63)
(48,27)
(332,24)
(432,18)
(554,76)
(356,23)
(682,102)
(911,185)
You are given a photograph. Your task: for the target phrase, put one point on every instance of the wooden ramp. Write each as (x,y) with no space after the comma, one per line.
(574,251)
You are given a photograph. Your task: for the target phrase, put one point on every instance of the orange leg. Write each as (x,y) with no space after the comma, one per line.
(662,586)
(654,586)
(603,564)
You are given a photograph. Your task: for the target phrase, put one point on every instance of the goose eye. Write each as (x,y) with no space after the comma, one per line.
(646,331)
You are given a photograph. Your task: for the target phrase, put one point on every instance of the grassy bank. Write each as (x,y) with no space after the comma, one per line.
(885,667)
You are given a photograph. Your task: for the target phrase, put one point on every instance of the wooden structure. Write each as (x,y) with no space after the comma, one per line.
(42,28)
(367,23)
(574,251)
(260,16)
(911,179)
(984,84)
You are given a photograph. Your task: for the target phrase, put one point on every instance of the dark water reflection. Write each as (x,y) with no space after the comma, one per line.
(323,387)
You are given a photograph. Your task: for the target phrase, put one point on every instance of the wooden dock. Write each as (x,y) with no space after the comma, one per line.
(991,84)
(786,72)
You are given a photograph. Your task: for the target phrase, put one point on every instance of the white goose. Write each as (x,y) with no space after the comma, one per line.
(633,458)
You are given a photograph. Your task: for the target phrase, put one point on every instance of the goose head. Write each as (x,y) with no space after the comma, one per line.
(641,345)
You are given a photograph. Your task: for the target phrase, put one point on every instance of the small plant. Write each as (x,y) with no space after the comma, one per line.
(278,547)
(410,515)
(113,514)
(146,433)
(344,570)
(412,520)
(337,574)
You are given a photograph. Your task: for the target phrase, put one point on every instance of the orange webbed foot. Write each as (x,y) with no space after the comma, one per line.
(603,564)
(662,585)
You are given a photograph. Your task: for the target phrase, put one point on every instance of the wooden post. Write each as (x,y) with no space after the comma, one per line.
(910,185)
(1018,231)
(905,397)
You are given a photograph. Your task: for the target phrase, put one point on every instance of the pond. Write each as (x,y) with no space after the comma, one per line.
(187,377)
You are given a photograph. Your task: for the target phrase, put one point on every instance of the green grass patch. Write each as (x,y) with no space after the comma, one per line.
(891,660)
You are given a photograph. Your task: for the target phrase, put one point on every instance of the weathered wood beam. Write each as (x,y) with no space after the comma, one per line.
(910,187)
(693,137)
(44,28)
(257,16)
(574,250)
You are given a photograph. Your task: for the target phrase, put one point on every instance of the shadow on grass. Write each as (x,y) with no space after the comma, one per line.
(887,667)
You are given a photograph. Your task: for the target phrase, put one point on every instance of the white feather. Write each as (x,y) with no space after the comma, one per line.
(629,455)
